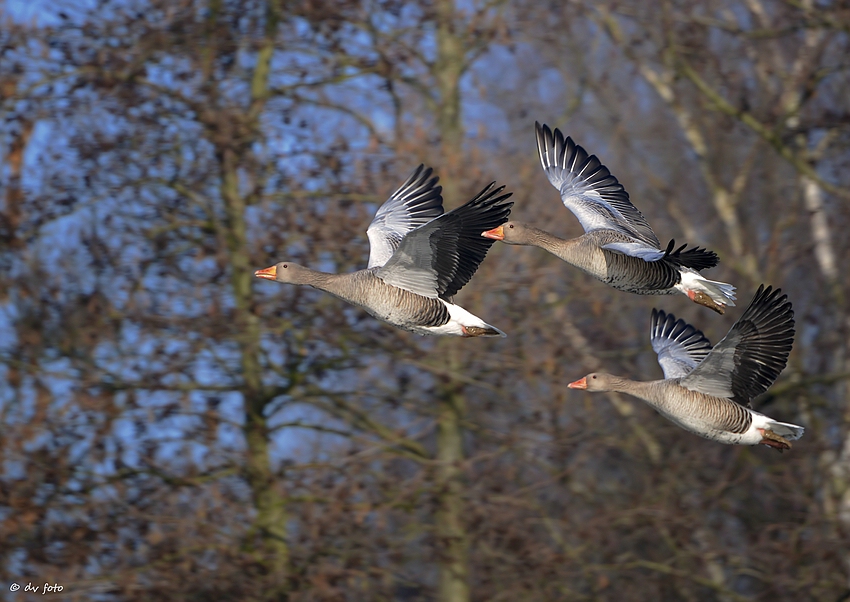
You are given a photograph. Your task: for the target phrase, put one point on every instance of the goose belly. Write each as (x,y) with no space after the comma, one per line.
(711,432)
(634,275)
(731,425)
(623,272)
(411,312)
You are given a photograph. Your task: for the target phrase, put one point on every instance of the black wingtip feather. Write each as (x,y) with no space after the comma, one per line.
(696,258)
(485,211)
(767,325)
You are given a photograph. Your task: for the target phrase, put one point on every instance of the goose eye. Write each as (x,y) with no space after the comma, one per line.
(593,377)
(285,266)
(511,226)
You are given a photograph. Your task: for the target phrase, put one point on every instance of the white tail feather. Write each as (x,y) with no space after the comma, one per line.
(462,323)
(720,292)
(791,432)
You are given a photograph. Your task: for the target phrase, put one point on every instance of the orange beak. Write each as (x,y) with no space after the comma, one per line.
(579,384)
(495,233)
(267,274)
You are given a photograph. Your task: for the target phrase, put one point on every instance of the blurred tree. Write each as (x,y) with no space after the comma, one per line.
(174,428)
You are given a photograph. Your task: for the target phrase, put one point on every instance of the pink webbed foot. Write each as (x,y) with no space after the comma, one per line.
(773,440)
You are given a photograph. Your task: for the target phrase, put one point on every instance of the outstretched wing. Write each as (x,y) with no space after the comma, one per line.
(415,203)
(594,196)
(747,361)
(437,259)
(679,346)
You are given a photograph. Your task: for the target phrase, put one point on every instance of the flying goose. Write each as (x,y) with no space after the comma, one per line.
(708,391)
(618,247)
(419,258)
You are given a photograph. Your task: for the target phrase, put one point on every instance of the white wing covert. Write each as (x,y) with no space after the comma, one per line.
(680,347)
(415,203)
(595,197)
(437,259)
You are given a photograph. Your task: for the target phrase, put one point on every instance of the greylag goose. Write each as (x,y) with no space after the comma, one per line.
(708,391)
(419,258)
(618,247)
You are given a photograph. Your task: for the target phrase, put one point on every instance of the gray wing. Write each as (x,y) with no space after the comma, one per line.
(437,259)
(747,361)
(594,196)
(679,346)
(414,204)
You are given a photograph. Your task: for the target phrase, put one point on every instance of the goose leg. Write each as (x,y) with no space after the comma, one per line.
(478,331)
(701,298)
(773,440)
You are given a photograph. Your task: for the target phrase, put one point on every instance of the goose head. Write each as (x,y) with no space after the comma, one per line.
(596,381)
(287,272)
(513,233)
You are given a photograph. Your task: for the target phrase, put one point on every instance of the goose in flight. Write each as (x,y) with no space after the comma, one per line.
(708,390)
(419,258)
(618,247)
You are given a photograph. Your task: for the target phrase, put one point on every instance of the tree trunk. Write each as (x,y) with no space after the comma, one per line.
(10,215)
(270,519)
(451,534)
(448,69)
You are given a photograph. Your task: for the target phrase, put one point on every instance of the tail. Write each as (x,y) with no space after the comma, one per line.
(695,259)
(792,432)
(467,324)
(712,294)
